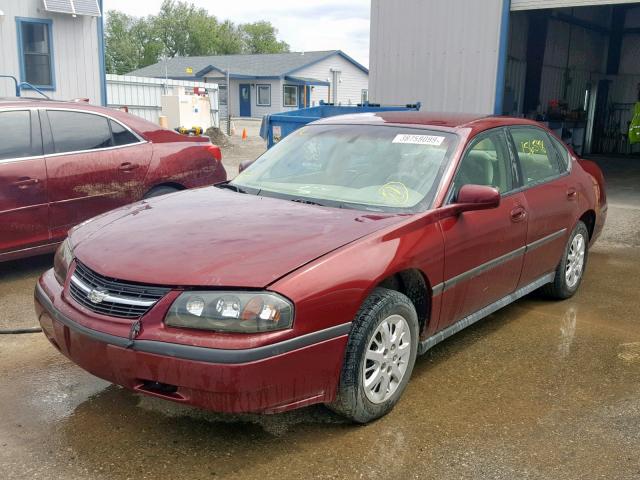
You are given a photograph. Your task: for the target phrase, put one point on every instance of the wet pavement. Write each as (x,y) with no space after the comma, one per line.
(540,389)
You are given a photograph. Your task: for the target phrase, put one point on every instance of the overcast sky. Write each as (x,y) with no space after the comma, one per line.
(303,24)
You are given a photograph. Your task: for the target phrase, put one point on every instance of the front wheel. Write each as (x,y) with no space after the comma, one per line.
(380,356)
(571,269)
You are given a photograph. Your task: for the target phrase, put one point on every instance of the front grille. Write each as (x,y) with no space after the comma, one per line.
(115,298)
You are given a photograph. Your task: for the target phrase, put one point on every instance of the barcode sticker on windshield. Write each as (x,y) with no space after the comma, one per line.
(418,139)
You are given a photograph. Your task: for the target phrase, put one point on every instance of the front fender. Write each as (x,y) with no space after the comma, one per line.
(330,290)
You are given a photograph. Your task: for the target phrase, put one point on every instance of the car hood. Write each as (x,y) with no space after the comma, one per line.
(215,237)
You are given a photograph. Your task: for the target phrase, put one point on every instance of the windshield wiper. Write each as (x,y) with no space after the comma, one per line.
(307,202)
(230,186)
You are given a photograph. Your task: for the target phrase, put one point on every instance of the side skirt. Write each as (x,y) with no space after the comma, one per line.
(480,314)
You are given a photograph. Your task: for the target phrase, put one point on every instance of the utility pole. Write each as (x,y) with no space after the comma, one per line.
(228,105)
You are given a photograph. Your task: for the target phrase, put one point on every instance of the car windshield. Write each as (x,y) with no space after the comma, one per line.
(366,167)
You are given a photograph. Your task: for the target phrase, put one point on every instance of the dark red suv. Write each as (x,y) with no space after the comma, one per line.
(64,162)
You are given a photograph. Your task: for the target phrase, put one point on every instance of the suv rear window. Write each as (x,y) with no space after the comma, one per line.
(16,135)
(77,131)
(122,136)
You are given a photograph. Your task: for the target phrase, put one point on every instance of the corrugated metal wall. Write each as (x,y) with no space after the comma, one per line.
(143,96)
(442,53)
(535,4)
(75,50)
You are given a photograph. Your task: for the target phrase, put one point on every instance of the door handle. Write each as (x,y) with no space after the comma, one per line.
(128,167)
(572,194)
(518,214)
(26,182)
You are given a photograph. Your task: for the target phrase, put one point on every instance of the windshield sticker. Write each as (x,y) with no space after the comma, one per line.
(533,146)
(418,139)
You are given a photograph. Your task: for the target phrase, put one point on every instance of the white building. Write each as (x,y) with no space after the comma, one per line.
(57,46)
(271,83)
(572,63)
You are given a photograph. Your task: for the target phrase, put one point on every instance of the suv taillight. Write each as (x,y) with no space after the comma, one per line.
(215,151)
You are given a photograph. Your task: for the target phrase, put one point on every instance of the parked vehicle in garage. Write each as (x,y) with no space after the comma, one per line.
(321,271)
(64,162)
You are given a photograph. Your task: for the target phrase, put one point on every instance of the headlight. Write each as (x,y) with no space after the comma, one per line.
(244,312)
(62,260)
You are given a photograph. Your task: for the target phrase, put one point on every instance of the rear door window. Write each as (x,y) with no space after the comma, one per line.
(563,153)
(122,136)
(77,131)
(17,138)
(537,157)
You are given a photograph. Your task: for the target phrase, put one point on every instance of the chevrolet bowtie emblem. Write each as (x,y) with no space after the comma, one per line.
(97,295)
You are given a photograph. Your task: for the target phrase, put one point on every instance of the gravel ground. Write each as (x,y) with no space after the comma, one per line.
(539,390)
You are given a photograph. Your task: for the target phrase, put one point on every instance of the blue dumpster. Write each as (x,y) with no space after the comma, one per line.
(278,125)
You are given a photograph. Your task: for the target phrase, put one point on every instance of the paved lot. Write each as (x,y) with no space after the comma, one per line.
(538,390)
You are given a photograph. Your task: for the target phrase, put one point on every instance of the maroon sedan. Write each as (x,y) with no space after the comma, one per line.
(327,266)
(64,162)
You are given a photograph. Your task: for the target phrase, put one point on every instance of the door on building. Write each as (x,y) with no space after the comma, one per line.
(23,182)
(245,100)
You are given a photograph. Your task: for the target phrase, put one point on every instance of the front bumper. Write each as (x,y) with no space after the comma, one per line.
(269,379)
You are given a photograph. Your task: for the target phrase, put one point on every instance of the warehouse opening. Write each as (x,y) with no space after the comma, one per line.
(577,69)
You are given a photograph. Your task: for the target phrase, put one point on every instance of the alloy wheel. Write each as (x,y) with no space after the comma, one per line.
(386,359)
(575,260)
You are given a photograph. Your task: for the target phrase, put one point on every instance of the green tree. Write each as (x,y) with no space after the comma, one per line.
(122,52)
(180,29)
(261,37)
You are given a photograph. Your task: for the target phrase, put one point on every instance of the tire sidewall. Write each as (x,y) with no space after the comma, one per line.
(365,409)
(567,291)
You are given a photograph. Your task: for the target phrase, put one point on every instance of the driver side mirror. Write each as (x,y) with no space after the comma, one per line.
(477,197)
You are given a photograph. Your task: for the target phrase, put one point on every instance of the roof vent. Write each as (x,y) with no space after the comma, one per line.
(89,8)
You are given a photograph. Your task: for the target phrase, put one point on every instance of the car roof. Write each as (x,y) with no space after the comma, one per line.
(138,124)
(434,120)
(39,102)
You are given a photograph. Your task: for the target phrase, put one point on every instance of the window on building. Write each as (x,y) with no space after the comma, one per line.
(263,97)
(537,158)
(122,136)
(75,131)
(16,135)
(364,96)
(290,95)
(36,66)
(222,94)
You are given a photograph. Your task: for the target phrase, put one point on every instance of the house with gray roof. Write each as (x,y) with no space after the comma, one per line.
(270,83)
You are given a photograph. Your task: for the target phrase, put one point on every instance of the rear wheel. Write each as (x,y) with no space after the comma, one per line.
(162,190)
(380,356)
(571,269)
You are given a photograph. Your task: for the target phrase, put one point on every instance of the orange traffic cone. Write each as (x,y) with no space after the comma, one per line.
(244,133)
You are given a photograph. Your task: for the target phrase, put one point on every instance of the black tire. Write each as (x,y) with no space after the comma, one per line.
(352,401)
(560,288)
(162,190)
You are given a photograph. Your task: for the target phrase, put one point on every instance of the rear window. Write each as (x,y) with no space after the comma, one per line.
(77,131)
(16,135)
(563,153)
(122,136)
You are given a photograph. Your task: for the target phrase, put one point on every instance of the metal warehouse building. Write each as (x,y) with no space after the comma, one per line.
(573,64)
